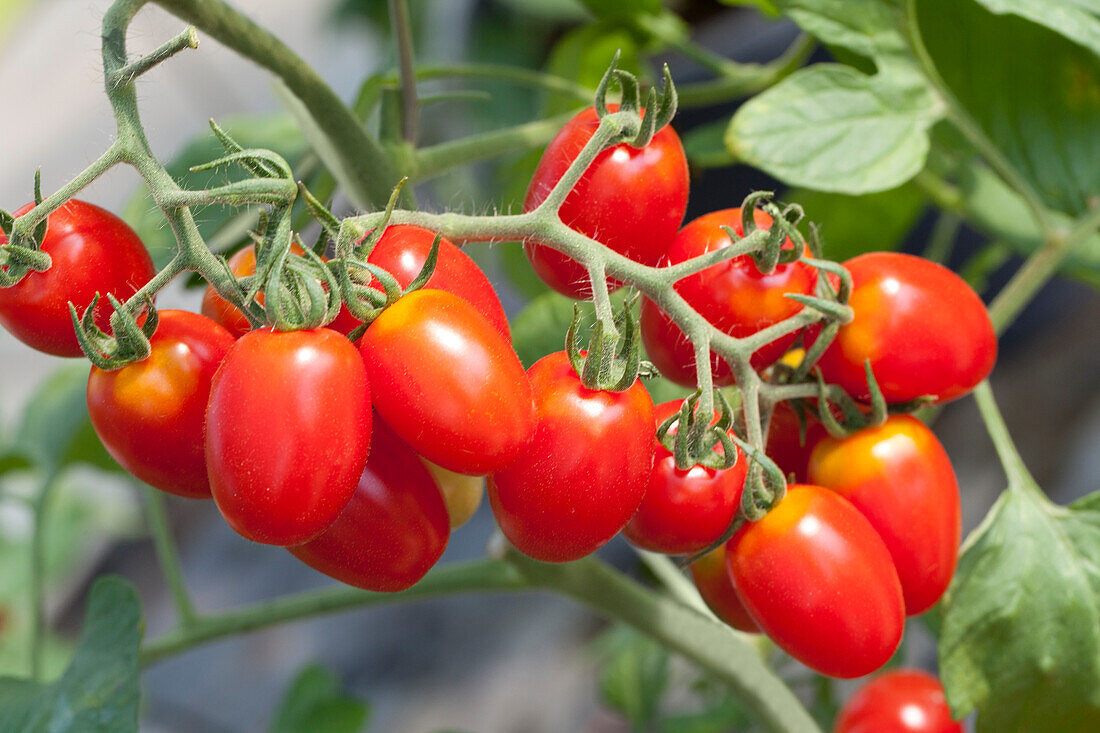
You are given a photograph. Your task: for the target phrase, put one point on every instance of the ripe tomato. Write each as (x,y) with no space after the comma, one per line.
(900,478)
(461,493)
(585,470)
(630,199)
(214,306)
(93,251)
(150,414)
(685,511)
(925,331)
(898,701)
(785,446)
(819,581)
(732,295)
(448,383)
(287,433)
(392,531)
(713,581)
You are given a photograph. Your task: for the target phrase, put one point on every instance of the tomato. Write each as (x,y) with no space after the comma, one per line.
(630,199)
(714,584)
(732,295)
(150,414)
(448,383)
(899,476)
(93,251)
(925,331)
(392,531)
(898,701)
(585,470)
(684,512)
(214,306)
(819,581)
(785,445)
(287,433)
(461,493)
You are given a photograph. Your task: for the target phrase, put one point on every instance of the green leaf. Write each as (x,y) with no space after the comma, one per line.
(540,327)
(1049,132)
(622,9)
(634,675)
(583,55)
(1021,629)
(705,145)
(98,693)
(869,28)
(315,702)
(1078,20)
(832,128)
(764,6)
(851,225)
(721,717)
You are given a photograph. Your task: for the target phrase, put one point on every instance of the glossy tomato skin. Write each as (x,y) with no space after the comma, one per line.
(393,530)
(448,383)
(785,445)
(899,477)
(684,512)
(898,701)
(288,430)
(712,579)
(925,331)
(149,415)
(585,470)
(732,295)
(817,578)
(92,251)
(630,199)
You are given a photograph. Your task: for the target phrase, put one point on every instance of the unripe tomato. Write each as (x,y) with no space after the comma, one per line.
(93,251)
(214,306)
(150,414)
(684,512)
(392,531)
(287,433)
(819,581)
(461,493)
(925,331)
(583,473)
(630,199)
(713,581)
(785,445)
(900,478)
(898,701)
(732,295)
(448,383)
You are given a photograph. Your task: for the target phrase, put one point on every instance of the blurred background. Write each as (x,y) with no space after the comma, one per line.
(486,663)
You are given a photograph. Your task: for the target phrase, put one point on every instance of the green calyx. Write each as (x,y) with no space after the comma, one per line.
(128,341)
(698,436)
(659,108)
(613,359)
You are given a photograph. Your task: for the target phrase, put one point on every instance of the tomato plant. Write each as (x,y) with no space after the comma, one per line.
(733,295)
(151,415)
(394,528)
(630,199)
(584,472)
(217,308)
(448,383)
(898,701)
(93,251)
(712,579)
(288,431)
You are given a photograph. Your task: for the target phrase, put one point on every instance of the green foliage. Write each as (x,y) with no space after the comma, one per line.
(1078,20)
(98,693)
(583,54)
(315,702)
(1021,630)
(634,675)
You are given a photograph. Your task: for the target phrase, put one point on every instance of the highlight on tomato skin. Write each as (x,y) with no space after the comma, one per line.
(684,512)
(150,415)
(92,252)
(712,579)
(898,701)
(819,581)
(899,476)
(394,528)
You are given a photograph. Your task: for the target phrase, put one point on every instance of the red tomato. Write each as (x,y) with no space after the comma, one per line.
(899,476)
(214,306)
(402,250)
(684,512)
(899,701)
(714,584)
(925,331)
(93,251)
(150,414)
(785,446)
(448,383)
(393,530)
(732,295)
(630,199)
(461,493)
(819,581)
(287,433)
(585,470)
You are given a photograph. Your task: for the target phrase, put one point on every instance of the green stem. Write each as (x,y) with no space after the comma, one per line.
(168,557)
(1019,478)
(743,80)
(943,236)
(402,33)
(511,74)
(674,580)
(125,75)
(38,571)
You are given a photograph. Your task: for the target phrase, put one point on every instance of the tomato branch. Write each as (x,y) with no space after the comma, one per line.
(167,556)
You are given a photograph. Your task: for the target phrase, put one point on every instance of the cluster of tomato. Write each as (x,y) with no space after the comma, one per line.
(358,457)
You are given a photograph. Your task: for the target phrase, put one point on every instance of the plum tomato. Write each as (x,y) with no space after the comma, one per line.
(712,579)
(898,701)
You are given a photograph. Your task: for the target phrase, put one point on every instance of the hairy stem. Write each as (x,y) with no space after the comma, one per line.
(167,556)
